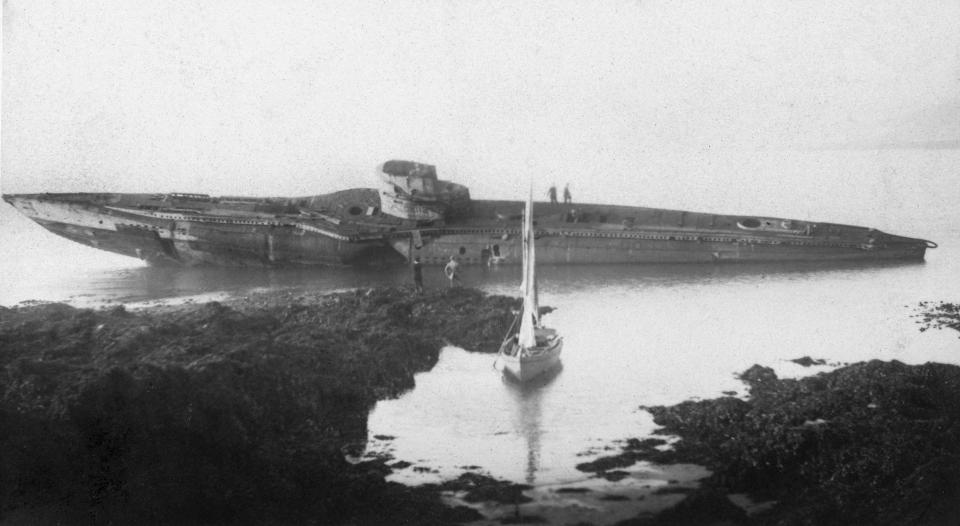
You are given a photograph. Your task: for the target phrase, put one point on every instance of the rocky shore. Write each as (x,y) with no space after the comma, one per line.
(231,412)
(240,412)
(870,443)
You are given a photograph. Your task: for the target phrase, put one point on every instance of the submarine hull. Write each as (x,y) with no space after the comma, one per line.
(607,249)
(415,214)
(173,235)
(175,239)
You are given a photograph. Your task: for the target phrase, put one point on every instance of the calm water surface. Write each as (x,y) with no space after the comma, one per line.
(656,335)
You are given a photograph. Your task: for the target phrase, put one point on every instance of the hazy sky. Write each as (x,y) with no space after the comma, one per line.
(302,97)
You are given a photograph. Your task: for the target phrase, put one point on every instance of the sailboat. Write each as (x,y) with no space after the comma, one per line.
(529,348)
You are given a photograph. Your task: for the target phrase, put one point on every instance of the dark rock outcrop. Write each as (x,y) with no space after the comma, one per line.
(231,413)
(870,443)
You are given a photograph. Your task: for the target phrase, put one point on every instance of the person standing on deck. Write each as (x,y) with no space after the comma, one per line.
(451,271)
(552,192)
(567,198)
(417,275)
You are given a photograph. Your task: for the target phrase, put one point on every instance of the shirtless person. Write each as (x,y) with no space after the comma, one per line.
(451,271)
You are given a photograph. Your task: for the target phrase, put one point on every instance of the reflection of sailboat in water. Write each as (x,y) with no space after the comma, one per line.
(528,398)
(529,349)
(530,415)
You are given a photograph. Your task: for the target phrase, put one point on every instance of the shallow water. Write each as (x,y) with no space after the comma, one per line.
(650,336)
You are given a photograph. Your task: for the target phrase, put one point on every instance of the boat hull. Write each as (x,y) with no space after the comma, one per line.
(195,239)
(348,229)
(573,248)
(525,368)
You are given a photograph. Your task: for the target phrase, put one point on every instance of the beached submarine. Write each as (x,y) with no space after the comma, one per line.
(413,213)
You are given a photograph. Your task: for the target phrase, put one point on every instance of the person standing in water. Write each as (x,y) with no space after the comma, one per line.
(451,271)
(417,275)
(485,256)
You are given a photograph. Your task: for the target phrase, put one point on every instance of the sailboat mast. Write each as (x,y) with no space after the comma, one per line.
(532,263)
(525,257)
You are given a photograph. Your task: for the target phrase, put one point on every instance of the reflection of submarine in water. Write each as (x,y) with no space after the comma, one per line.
(415,213)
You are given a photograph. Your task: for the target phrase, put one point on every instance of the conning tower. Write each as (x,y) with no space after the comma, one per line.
(411,190)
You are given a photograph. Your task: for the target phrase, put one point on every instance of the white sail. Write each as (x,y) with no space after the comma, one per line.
(531,309)
(522,355)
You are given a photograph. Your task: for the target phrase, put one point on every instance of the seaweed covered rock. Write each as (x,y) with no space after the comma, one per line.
(634,450)
(703,507)
(480,488)
(807,361)
(871,443)
(938,315)
(220,412)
